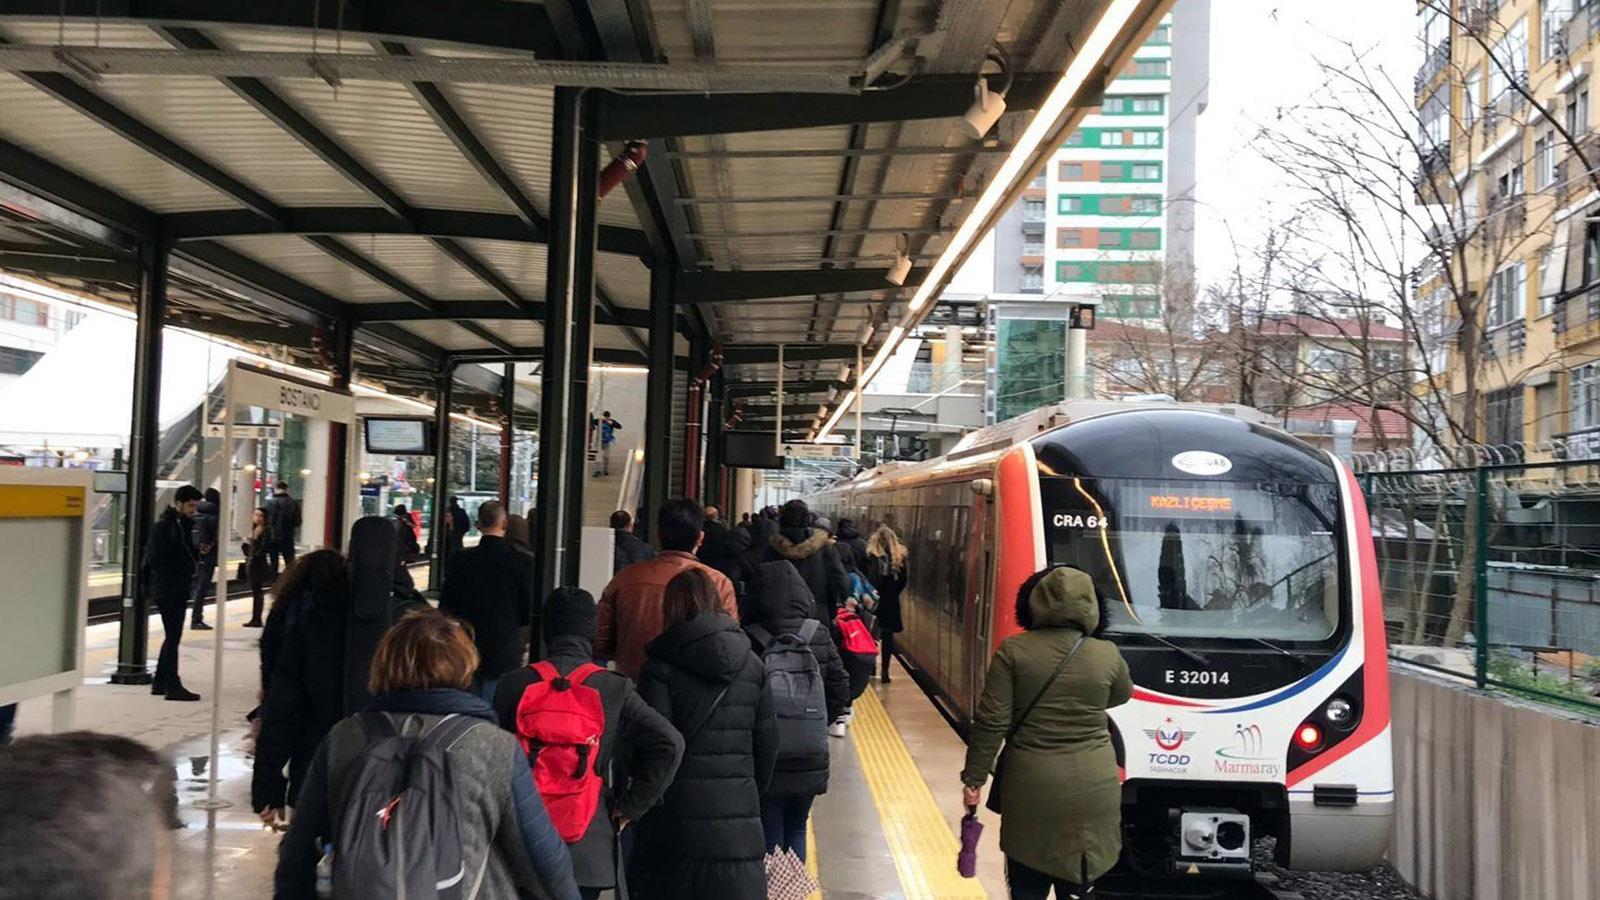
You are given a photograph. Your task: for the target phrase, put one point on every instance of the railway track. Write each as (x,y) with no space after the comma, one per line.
(1131,887)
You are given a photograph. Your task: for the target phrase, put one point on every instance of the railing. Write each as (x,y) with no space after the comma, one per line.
(1583,25)
(1433,162)
(1577,317)
(1438,57)
(1492,573)
(1506,342)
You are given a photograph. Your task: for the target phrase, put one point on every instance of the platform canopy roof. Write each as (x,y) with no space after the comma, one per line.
(386,163)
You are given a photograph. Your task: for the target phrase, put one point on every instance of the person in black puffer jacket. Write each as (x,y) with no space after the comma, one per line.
(705,839)
(851,537)
(302,674)
(780,604)
(813,555)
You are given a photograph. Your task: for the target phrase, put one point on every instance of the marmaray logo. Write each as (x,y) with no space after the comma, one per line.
(1248,755)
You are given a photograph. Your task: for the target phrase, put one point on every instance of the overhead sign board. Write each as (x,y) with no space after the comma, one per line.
(242,432)
(270,391)
(842,452)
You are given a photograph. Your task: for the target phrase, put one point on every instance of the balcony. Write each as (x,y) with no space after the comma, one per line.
(1577,318)
(1506,342)
(1437,59)
(1434,161)
(1583,25)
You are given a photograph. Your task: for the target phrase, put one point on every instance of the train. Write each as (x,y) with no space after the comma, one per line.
(1237,567)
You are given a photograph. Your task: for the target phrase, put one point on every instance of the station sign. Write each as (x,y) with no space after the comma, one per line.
(251,387)
(243,432)
(823,452)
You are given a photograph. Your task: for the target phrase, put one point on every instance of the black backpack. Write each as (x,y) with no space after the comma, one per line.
(795,681)
(399,832)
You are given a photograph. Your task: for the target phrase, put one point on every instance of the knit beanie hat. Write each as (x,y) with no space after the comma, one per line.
(570,612)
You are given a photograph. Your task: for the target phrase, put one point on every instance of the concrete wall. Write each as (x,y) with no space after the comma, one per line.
(1494,799)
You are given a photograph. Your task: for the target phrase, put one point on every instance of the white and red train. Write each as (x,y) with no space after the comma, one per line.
(1237,568)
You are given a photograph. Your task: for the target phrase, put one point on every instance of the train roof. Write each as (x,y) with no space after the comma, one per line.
(1137,438)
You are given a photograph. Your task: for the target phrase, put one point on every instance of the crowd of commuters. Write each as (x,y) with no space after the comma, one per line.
(672,735)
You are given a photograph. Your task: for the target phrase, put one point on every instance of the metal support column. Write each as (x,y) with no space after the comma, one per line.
(658,397)
(441,475)
(568,337)
(508,434)
(144,439)
(343,353)
(715,413)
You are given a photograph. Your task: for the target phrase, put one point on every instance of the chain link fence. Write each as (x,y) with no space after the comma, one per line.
(1492,573)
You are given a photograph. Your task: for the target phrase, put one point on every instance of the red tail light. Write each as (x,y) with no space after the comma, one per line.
(1308,738)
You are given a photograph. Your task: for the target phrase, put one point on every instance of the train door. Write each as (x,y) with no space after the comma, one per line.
(975,632)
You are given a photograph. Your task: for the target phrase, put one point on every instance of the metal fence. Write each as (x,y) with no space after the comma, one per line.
(1493,573)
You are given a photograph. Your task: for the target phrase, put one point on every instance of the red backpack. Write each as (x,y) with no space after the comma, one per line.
(854,634)
(559,724)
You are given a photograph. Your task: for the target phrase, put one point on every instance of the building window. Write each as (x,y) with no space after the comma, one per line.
(1110,239)
(24,312)
(1033,209)
(1111,106)
(1552,28)
(1435,30)
(1436,121)
(1507,289)
(1111,172)
(1546,301)
(1584,397)
(1132,106)
(1546,415)
(1074,271)
(1076,139)
(1509,183)
(1145,172)
(1112,139)
(1472,98)
(1069,238)
(1502,416)
(1065,205)
(1511,54)
(1033,278)
(1146,105)
(1149,205)
(1161,36)
(16,361)
(1033,245)
(1578,111)
(1070,171)
(1544,159)
(1147,137)
(1150,68)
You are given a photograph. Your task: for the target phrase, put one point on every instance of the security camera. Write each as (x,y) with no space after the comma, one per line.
(986,109)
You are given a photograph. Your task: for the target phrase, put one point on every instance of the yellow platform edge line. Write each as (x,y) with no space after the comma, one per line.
(811,858)
(922,844)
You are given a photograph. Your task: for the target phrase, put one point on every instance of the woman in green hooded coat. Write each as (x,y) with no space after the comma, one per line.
(1061,801)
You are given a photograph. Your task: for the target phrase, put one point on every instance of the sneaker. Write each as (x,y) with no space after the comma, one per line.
(199,626)
(182,694)
(837,729)
(849,714)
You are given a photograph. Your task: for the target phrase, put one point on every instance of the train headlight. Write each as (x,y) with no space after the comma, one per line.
(1340,713)
(1200,836)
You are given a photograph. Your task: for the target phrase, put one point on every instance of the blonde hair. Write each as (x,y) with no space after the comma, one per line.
(425,649)
(885,543)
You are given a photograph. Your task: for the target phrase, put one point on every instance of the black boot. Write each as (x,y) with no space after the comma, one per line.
(180,693)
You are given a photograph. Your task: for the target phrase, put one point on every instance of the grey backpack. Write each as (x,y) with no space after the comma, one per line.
(399,834)
(795,682)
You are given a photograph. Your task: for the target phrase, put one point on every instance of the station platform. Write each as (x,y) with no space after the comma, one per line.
(884,831)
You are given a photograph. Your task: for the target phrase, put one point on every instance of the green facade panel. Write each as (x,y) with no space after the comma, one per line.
(1109,204)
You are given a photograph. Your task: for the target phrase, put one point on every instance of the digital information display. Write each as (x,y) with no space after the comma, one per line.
(398,436)
(1191,504)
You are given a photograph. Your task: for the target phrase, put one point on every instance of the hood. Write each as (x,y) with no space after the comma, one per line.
(710,645)
(779,593)
(1065,599)
(848,532)
(435,702)
(793,544)
(205,508)
(723,543)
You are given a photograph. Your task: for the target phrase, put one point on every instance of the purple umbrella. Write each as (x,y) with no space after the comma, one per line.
(967,859)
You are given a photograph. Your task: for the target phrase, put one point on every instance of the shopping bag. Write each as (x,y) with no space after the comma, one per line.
(787,878)
(971,830)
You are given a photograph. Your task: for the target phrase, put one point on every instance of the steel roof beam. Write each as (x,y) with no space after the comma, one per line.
(722,287)
(39,189)
(60,265)
(813,153)
(485,309)
(736,389)
(536,354)
(445,223)
(656,115)
(500,24)
(747,354)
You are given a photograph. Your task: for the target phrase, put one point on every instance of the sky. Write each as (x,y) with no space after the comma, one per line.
(1265,57)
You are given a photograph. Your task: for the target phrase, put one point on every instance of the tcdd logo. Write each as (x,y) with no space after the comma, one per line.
(1169,736)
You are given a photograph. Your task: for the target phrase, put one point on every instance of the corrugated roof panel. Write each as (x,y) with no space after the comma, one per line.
(382,125)
(517,332)
(77,32)
(424,265)
(521,264)
(624,279)
(447,335)
(206,116)
(791,33)
(299,259)
(43,125)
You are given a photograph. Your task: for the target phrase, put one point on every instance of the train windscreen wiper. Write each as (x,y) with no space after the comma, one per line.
(1301,658)
(1192,655)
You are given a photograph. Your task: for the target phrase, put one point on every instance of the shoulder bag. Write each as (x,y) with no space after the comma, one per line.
(993,802)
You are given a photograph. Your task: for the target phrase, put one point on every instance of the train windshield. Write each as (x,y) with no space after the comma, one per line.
(1239,560)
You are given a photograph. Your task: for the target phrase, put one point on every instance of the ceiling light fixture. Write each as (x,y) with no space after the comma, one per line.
(1040,127)
(902,261)
(987,106)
